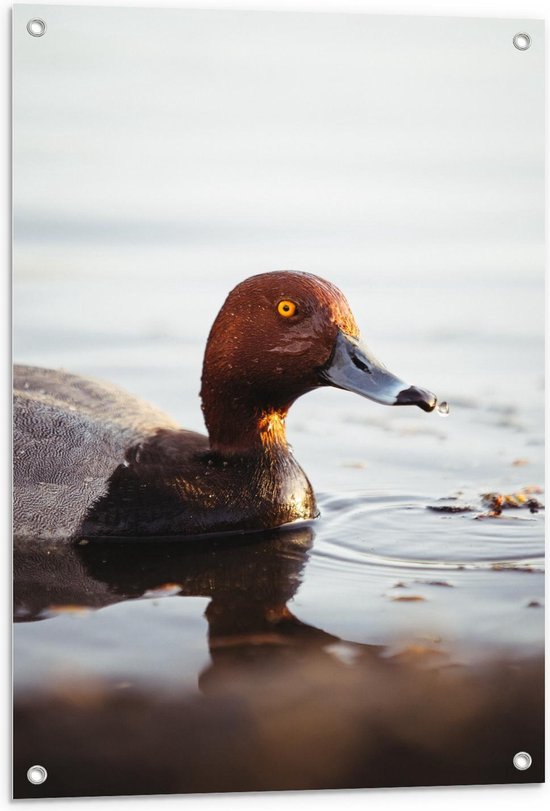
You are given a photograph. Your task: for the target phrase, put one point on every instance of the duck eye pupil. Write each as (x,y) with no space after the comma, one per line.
(286,308)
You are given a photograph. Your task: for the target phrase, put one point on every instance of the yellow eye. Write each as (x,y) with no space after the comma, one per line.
(286,308)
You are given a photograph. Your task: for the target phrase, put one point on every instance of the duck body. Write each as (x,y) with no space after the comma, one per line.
(91,461)
(173,484)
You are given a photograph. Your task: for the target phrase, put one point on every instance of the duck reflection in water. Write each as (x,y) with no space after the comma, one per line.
(249,580)
(280,707)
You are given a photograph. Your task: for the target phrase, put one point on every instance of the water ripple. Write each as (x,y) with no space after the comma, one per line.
(360,530)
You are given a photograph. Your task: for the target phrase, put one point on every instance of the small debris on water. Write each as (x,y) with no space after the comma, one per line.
(511,567)
(165,590)
(409,598)
(497,502)
(435,583)
(70,610)
(520,462)
(534,604)
(450,508)
(418,654)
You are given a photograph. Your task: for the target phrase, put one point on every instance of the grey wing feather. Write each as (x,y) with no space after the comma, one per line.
(69,434)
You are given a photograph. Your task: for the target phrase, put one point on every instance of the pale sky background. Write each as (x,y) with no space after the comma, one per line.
(144,125)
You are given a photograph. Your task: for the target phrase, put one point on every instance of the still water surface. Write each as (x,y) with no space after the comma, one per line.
(323,638)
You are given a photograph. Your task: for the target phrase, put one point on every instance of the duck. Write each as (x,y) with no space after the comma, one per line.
(95,463)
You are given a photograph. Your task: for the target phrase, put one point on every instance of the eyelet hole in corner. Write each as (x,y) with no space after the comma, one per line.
(36,27)
(522,761)
(37,775)
(522,41)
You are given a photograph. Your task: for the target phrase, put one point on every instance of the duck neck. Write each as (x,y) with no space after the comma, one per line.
(236,425)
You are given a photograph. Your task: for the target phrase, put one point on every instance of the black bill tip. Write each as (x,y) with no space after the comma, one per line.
(419,397)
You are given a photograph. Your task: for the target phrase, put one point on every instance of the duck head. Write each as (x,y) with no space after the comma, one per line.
(278,336)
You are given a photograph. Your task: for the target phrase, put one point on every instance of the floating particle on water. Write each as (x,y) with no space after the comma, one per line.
(409,598)
(511,567)
(443,409)
(166,590)
(449,508)
(520,462)
(534,604)
(70,610)
(497,502)
(417,653)
(435,583)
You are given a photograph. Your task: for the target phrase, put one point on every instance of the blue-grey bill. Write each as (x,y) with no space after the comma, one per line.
(353,367)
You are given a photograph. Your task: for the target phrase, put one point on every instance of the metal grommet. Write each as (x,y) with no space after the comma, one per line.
(522,761)
(37,775)
(36,27)
(522,41)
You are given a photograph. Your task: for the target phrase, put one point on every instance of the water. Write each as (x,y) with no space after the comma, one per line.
(348,574)
(418,604)
(390,588)
(385,590)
